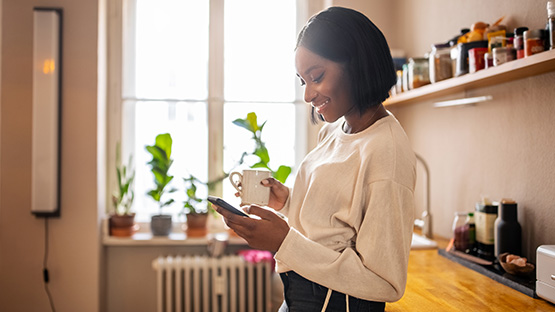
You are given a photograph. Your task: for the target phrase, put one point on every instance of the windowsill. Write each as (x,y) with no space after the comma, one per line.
(143,237)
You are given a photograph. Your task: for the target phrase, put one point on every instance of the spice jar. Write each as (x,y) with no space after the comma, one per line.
(476,60)
(519,41)
(460,231)
(502,55)
(440,63)
(418,72)
(534,41)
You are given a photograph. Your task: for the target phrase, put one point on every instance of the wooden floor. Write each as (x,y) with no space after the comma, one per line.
(436,283)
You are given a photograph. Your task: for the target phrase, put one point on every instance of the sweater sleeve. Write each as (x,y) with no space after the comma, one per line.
(285,209)
(376,267)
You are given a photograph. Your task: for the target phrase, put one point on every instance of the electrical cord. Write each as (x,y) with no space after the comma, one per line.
(45,275)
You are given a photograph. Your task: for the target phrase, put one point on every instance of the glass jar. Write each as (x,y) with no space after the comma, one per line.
(460,231)
(534,41)
(471,232)
(440,63)
(405,84)
(419,72)
(519,41)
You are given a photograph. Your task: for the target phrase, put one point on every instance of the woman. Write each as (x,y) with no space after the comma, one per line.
(346,242)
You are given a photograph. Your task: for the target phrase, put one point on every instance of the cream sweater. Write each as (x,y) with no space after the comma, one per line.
(351,212)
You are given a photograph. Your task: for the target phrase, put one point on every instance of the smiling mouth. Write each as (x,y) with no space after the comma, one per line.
(321,106)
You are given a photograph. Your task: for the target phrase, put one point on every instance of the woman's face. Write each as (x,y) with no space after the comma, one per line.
(327,87)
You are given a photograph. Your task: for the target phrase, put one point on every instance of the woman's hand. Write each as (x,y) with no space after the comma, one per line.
(266,233)
(278,193)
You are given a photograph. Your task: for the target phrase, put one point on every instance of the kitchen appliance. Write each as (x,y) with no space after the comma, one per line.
(545,272)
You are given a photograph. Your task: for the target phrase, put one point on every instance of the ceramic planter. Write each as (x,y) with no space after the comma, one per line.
(161,225)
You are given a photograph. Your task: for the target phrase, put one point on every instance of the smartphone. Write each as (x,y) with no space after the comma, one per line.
(222,203)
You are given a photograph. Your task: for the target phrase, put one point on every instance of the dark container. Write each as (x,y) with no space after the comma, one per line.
(462,59)
(508,233)
(484,218)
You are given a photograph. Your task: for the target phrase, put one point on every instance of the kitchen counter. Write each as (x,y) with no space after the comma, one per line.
(436,283)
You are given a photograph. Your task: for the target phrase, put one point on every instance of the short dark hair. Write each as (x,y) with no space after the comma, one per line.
(348,37)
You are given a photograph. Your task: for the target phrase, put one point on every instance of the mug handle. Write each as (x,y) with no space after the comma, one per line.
(231,175)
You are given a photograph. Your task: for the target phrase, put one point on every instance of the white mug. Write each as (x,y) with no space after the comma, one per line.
(249,187)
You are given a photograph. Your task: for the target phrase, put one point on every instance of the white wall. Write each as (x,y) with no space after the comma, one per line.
(74,251)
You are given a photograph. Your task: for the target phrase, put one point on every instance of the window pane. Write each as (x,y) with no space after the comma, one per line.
(278,135)
(259,50)
(187,124)
(171,53)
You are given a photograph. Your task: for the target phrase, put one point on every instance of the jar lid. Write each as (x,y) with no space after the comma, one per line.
(534,33)
(520,30)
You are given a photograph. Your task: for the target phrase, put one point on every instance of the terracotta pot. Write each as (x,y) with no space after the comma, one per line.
(196,225)
(122,225)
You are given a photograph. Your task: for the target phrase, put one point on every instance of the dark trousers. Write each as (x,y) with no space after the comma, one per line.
(302,295)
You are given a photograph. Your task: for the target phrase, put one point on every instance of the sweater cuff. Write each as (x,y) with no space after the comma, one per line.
(285,209)
(286,247)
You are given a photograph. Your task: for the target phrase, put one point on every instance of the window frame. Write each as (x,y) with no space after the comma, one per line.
(119,24)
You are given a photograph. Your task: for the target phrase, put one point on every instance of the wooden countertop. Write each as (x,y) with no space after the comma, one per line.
(436,283)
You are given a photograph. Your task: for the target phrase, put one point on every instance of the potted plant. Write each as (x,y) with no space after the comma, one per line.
(160,164)
(122,220)
(195,209)
(251,124)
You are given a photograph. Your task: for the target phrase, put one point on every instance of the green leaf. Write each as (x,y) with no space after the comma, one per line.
(156,152)
(262,152)
(243,123)
(282,173)
(154,194)
(164,141)
(260,165)
(159,177)
(252,120)
(262,126)
(169,202)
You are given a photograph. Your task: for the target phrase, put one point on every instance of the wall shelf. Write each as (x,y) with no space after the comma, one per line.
(518,69)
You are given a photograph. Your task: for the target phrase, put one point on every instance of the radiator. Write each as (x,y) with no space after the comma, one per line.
(229,283)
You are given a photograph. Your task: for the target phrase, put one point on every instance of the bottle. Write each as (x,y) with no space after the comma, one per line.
(551,23)
(460,232)
(471,226)
(485,216)
(507,229)
(519,41)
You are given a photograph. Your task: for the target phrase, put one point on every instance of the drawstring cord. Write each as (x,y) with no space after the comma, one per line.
(328,295)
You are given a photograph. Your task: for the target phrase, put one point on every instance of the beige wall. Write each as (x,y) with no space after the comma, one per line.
(74,251)
(502,148)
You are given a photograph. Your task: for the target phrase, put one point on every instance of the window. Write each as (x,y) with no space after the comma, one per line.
(192,67)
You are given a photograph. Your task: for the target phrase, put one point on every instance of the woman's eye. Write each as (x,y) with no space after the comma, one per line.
(302,82)
(318,79)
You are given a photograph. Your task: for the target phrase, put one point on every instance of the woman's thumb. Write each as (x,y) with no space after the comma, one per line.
(259,211)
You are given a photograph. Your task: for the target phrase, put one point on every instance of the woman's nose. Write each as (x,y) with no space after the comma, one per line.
(309,94)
